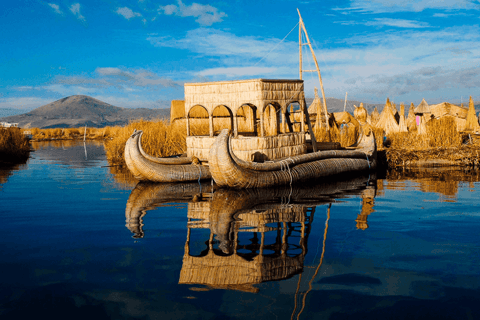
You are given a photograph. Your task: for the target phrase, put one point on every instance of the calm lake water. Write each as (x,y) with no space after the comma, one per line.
(80,240)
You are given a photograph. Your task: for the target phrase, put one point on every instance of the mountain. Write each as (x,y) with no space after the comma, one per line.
(79,111)
(337,105)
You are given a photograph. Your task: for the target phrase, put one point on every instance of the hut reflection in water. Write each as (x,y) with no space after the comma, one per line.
(253,236)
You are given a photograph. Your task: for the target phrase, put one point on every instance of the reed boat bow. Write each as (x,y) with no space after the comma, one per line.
(148,168)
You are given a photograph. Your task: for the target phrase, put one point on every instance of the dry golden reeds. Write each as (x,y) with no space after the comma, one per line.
(14,145)
(160,139)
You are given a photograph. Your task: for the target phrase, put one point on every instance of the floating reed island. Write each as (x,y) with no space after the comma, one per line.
(429,135)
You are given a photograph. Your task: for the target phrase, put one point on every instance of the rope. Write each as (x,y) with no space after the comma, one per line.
(199,176)
(368,161)
(287,168)
(276,45)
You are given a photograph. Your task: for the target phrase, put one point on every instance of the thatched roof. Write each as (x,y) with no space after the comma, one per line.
(411,123)
(422,107)
(387,120)
(340,117)
(316,104)
(374,116)
(472,120)
(448,109)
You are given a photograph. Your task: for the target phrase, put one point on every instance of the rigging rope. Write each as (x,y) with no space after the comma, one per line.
(276,45)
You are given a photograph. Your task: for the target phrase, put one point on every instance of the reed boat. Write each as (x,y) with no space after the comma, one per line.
(170,169)
(271,142)
(229,171)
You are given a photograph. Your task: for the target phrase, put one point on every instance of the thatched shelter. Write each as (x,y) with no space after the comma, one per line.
(258,109)
(374,117)
(393,108)
(422,116)
(267,98)
(387,120)
(317,112)
(411,122)
(402,124)
(348,127)
(459,113)
(472,120)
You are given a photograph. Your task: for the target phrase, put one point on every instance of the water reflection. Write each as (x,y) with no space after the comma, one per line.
(70,152)
(7,170)
(445,181)
(254,235)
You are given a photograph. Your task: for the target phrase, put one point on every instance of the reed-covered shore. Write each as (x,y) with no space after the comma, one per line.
(14,146)
(440,145)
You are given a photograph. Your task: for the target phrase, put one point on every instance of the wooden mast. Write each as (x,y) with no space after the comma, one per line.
(302,27)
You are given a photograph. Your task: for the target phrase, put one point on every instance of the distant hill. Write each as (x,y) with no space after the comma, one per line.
(336,105)
(79,110)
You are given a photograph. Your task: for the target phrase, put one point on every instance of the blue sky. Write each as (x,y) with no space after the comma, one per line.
(140,53)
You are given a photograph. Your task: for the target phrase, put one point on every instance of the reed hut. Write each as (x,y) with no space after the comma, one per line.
(402,124)
(458,113)
(411,122)
(387,120)
(393,108)
(374,117)
(422,115)
(472,120)
(257,108)
(348,127)
(317,112)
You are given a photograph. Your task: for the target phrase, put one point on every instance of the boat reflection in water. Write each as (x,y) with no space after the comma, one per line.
(255,235)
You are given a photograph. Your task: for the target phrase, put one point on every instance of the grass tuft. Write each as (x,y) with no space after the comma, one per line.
(14,145)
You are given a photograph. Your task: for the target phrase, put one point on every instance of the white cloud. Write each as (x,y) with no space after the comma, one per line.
(400,23)
(55,8)
(387,22)
(206,14)
(237,71)
(212,42)
(75,9)
(27,103)
(381,6)
(127,13)
(65,90)
(136,78)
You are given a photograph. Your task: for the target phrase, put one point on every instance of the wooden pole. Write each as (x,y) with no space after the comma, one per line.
(300,49)
(318,69)
(345,105)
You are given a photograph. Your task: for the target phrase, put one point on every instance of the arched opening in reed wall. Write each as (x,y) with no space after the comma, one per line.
(197,121)
(222,119)
(247,120)
(271,119)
